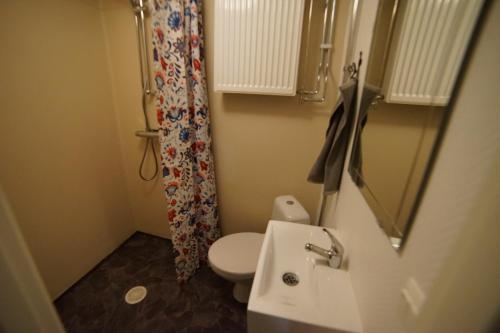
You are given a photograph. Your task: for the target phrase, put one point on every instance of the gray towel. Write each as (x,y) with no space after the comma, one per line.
(369,94)
(328,167)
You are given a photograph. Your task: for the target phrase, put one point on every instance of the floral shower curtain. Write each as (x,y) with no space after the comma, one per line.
(185,140)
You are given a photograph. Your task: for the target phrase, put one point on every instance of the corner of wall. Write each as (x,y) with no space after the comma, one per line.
(119,125)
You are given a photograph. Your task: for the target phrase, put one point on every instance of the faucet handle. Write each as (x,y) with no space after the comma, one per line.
(334,255)
(336,247)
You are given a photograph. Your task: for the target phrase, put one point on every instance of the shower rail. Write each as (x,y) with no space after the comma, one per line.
(140,8)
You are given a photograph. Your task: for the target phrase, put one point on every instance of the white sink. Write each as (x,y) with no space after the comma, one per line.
(322,301)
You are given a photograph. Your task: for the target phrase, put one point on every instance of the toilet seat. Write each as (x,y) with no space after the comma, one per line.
(235,256)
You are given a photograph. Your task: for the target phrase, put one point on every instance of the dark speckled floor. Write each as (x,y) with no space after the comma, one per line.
(96,303)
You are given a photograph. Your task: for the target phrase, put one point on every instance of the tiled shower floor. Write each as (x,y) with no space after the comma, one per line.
(96,303)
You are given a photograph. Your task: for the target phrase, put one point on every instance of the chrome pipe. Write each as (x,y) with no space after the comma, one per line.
(326,49)
(309,22)
(320,67)
(329,50)
(323,42)
(140,9)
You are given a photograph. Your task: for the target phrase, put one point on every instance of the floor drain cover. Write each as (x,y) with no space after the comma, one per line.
(290,279)
(136,294)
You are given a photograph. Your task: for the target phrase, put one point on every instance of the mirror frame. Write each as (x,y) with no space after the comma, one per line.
(448,109)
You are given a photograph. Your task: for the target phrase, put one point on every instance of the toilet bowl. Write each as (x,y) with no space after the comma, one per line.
(234,257)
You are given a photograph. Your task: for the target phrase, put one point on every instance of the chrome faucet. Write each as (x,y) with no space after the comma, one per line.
(334,254)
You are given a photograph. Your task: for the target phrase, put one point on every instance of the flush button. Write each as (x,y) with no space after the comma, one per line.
(290,202)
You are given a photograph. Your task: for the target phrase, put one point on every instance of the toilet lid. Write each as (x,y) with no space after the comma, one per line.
(237,253)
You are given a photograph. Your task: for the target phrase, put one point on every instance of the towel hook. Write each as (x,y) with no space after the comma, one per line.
(353,69)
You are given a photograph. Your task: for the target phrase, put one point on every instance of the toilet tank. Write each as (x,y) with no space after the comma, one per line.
(288,208)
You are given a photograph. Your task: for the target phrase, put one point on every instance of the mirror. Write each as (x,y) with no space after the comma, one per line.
(416,54)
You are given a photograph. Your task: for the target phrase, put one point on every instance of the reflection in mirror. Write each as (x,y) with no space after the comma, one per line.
(416,54)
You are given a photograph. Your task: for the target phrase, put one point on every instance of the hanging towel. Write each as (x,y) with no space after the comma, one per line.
(328,167)
(369,94)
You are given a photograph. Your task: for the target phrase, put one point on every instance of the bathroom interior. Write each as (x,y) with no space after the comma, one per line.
(250,166)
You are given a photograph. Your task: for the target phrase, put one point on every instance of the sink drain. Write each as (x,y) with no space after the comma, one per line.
(290,279)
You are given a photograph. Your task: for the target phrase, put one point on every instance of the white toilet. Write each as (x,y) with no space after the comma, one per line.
(234,257)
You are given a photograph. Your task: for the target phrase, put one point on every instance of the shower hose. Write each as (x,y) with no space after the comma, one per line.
(150,144)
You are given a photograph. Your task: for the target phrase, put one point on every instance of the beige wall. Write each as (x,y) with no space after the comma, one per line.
(397,139)
(81,195)
(454,240)
(396,143)
(147,202)
(60,159)
(266,145)
(427,141)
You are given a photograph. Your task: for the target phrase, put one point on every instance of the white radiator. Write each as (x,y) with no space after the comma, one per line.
(429,50)
(257,46)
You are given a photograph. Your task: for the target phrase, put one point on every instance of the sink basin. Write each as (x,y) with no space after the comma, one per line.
(314,298)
